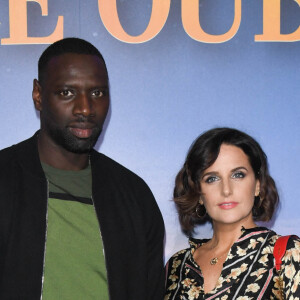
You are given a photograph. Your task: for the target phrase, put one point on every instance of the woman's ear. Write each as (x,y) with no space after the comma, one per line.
(257,188)
(201,201)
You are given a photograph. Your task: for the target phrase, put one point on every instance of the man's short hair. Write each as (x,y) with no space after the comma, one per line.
(67,45)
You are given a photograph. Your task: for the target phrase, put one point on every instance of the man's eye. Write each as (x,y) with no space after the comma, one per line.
(238,175)
(66,93)
(211,179)
(98,93)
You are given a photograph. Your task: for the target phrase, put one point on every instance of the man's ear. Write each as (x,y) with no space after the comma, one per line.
(37,95)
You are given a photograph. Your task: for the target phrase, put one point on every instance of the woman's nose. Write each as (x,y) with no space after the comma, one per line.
(226,188)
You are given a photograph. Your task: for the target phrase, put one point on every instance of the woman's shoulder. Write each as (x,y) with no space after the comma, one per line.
(179,255)
(174,264)
(194,244)
(184,255)
(292,253)
(293,241)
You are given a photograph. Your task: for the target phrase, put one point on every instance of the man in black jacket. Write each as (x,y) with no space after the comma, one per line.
(75,224)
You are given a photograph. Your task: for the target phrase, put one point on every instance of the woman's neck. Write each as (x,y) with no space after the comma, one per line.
(225,235)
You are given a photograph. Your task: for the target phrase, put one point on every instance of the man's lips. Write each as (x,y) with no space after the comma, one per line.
(227,205)
(82,133)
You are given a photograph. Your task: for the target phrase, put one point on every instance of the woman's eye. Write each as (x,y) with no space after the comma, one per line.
(238,175)
(66,93)
(211,179)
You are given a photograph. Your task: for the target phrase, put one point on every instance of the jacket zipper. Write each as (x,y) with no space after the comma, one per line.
(98,219)
(43,275)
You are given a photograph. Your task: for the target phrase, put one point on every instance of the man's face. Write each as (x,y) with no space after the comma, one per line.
(73,101)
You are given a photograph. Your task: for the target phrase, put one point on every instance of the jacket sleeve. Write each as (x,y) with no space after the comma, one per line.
(155,245)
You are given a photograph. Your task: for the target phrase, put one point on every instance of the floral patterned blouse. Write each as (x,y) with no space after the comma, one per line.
(248,272)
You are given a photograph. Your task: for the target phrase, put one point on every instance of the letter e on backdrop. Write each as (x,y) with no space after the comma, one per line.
(18,24)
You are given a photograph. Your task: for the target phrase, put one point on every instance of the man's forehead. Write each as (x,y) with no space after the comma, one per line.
(70,56)
(68,62)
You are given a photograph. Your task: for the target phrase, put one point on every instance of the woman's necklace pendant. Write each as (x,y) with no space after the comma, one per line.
(214,261)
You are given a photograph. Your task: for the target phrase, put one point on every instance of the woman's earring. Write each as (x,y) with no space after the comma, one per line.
(257,200)
(200,210)
(257,205)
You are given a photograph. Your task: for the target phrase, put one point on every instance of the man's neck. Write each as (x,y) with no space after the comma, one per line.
(60,158)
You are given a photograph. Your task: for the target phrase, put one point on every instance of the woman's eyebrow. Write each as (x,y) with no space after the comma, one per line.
(239,168)
(209,173)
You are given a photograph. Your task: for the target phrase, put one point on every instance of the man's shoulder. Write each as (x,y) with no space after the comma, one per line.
(8,161)
(117,182)
(107,164)
(6,154)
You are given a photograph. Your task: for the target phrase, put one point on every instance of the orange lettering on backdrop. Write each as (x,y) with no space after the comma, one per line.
(18,24)
(271,24)
(191,23)
(109,15)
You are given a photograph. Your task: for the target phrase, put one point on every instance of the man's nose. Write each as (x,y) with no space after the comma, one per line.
(83,105)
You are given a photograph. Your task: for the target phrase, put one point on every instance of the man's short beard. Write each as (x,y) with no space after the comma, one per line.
(68,141)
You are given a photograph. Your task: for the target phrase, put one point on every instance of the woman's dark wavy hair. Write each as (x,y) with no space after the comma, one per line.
(201,155)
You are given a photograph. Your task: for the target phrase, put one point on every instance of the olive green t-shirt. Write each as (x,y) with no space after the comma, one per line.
(74,259)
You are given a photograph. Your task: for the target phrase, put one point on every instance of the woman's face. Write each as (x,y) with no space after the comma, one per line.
(228,188)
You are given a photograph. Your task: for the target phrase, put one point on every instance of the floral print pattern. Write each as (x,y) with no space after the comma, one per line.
(248,272)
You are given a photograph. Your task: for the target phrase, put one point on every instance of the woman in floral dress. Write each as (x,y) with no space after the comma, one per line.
(225,179)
